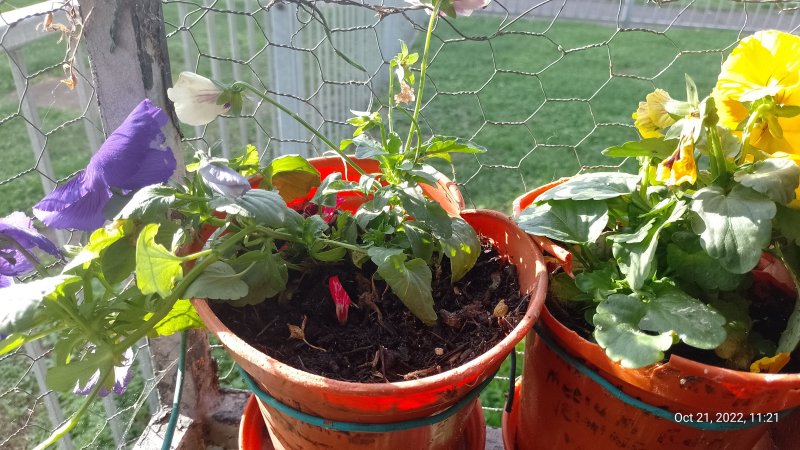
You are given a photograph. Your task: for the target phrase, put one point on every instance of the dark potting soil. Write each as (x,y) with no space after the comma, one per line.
(382,341)
(770,308)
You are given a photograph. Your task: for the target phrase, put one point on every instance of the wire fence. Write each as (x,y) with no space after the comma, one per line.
(543,85)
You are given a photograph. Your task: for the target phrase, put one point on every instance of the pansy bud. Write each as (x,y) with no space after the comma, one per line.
(340,298)
(224,180)
(197,99)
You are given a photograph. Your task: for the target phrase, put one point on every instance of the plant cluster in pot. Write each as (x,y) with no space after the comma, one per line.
(672,319)
(369,309)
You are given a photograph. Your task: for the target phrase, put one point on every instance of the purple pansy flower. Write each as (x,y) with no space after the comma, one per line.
(122,376)
(224,180)
(18,227)
(134,156)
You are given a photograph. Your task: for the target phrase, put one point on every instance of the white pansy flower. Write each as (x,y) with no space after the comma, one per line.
(196,98)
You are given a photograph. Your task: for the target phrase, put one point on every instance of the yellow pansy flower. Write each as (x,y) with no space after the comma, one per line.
(770,364)
(763,66)
(681,166)
(652,117)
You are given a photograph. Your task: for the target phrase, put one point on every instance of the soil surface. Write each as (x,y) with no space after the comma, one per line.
(382,341)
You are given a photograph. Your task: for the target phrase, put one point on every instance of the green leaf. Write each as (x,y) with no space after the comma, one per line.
(562,288)
(381,255)
(64,377)
(118,262)
(100,239)
(694,322)
(181,317)
(592,186)
(313,228)
(421,241)
(737,225)
(266,207)
(786,220)
(777,178)
(157,270)
(394,143)
(11,343)
(219,282)
(566,220)
(366,147)
(448,8)
(426,173)
(443,147)
(698,267)
(426,211)
(409,280)
(652,148)
(293,176)
(332,255)
(149,204)
(786,110)
(330,187)
(599,283)
(462,247)
(635,252)
(266,279)
(23,300)
(248,163)
(617,332)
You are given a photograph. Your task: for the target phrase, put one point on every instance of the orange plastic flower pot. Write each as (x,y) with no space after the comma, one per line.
(387,403)
(253,431)
(559,407)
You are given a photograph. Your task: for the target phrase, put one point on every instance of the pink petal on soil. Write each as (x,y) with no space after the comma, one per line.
(340,298)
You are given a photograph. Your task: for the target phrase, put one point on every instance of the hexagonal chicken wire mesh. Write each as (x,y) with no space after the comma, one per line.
(543,85)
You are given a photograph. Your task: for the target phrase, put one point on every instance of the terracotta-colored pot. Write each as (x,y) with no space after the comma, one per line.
(444,192)
(253,431)
(560,408)
(388,402)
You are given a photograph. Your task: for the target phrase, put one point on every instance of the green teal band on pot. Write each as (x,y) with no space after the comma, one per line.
(636,403)
(362,427)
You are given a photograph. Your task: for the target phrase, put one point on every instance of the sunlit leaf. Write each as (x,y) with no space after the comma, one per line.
(219,281)
(157,270)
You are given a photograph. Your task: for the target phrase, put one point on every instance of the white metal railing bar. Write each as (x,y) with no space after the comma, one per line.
(54,412)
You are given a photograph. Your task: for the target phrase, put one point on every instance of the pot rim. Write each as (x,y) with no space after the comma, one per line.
(473,368)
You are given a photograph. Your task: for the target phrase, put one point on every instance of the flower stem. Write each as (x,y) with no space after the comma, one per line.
(306,125)
(718,169)
(422,73)
(391,100)
(290,238)
(73,419)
